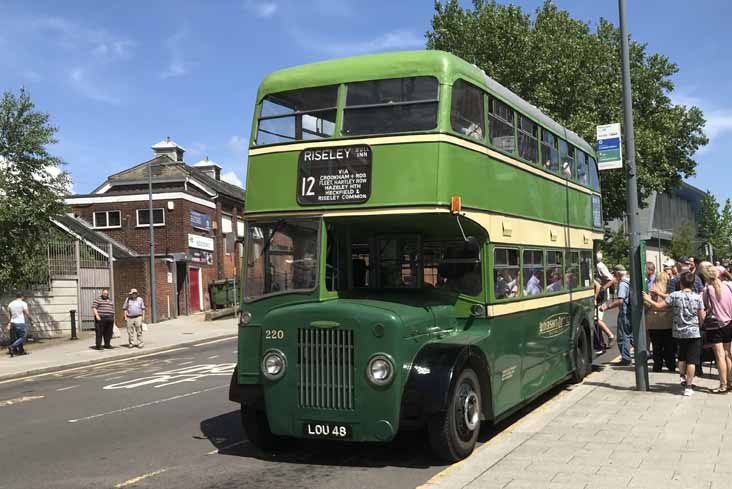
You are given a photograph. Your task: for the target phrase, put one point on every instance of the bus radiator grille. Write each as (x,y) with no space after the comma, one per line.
(325,368)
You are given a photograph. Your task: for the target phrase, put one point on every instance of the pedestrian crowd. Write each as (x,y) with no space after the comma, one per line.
(103,310)
(688,316)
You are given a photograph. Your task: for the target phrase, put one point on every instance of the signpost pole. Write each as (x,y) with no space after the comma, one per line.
(153,301)
(636,272)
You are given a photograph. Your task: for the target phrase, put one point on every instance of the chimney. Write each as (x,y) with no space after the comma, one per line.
(169,148)
(210,168)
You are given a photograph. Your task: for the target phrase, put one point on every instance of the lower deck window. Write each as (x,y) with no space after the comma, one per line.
(506,273)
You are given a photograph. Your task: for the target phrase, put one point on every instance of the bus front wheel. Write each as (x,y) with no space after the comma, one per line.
(453,434)
(256,429)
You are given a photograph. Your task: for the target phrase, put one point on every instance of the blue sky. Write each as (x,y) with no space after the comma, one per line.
(117,77)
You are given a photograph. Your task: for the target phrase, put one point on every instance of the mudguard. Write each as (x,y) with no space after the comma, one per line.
(250,394)
(433,373)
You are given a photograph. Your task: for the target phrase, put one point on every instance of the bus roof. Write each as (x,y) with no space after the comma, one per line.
(446,67)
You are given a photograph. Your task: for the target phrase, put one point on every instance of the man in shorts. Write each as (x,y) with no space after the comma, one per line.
(688,315)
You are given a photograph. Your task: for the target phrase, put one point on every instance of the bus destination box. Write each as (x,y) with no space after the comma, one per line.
(334,175)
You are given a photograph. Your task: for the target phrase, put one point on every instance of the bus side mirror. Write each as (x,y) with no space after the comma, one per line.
(472,247)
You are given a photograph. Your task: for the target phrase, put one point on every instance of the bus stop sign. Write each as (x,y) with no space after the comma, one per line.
(609,147)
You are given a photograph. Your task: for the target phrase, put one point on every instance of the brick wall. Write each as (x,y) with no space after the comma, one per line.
(170,238)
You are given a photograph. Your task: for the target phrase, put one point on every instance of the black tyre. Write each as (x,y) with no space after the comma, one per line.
(453,433)
(256,428)
(582,355)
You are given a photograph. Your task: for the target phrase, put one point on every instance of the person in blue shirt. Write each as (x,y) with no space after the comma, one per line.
(650,274)
(685,265)
(622,301)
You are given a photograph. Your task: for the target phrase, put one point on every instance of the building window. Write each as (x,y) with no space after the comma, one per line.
(107,219)
(466,116)
(143,217)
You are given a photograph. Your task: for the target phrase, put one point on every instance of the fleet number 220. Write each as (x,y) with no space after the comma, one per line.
(274,334)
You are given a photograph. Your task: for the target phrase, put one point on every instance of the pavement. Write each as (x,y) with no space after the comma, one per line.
(605,434)
(50,355)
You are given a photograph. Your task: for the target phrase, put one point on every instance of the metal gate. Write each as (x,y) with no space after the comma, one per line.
(91,264)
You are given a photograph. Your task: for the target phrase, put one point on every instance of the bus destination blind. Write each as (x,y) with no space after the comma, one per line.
(335,175)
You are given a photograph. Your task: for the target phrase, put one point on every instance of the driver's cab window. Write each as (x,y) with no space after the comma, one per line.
(398,262)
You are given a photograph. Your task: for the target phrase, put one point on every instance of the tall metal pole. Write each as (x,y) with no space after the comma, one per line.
(636,272)
(153,296)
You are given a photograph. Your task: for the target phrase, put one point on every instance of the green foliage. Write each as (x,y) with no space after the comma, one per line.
(32,187)
(615,248)
(682,243)
(724,250)
(572,73)
(710,222)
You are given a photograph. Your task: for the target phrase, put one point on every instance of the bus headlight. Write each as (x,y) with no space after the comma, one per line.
(244,318)
(273,364)
(380,370)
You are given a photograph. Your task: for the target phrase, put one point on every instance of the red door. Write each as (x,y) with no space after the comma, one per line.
(194,289)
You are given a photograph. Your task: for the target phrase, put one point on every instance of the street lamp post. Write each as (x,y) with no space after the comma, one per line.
(153,302)
(636,272)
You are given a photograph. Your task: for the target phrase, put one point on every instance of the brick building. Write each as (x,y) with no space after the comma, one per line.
(196,218)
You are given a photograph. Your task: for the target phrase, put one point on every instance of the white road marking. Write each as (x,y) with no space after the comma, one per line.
(185,363)
(189,373)
(75,369)
(137,479)
(215,341)
(151,403)
(214,452)
(115,378)
(67,388)
(18,400)
(212,357)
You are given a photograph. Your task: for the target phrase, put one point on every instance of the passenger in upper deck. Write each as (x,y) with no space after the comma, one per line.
(534,284)
(555,282)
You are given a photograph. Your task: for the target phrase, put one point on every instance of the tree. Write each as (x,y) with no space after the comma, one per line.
(32,187)
(572,73)
(682,242)
(615,248)
(710,223)
(725,232)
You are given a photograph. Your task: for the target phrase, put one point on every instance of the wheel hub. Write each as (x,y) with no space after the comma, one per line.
(471,410)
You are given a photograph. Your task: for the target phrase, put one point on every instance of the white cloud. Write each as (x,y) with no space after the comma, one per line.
(238,145)
(197,149)
(719,119)
(232,178)
(81,81)
(176,65)
(391,41)
(261,8)
(82,39)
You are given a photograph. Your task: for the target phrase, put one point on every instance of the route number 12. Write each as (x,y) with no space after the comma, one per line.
(307,186)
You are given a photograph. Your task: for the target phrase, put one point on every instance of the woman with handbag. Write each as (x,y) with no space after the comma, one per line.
(717,296)
(659,325)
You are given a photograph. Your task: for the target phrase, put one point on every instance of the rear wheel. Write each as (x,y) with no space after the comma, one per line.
(582,354)
(256,428)
(453,434)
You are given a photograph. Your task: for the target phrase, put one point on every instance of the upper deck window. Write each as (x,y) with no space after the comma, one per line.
(501,126)
(466,115)
(549,154)
(391,106)
(528,140)
(582,170)
(594,177)
(566,155)
(296,115)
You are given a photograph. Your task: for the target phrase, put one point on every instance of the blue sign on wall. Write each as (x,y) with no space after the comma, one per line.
(199,220)
(608,144)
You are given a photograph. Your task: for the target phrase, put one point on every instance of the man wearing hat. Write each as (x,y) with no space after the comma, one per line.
(625,330)
(684,265)
(669,267)
(134,308)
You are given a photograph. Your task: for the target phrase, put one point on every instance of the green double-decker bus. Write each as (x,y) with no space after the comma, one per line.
(418,253)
